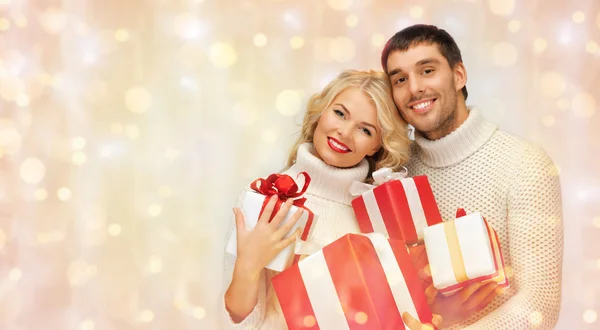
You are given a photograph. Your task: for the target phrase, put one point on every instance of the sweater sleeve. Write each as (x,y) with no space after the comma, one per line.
(256,317)
(535,234)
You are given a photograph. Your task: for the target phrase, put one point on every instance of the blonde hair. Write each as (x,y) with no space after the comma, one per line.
(395,144)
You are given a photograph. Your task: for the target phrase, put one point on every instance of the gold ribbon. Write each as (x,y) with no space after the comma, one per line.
(456,258)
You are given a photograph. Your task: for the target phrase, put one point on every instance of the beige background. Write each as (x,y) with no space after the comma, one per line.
(127,129)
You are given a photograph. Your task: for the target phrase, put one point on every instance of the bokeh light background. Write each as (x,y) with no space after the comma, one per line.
(127,129)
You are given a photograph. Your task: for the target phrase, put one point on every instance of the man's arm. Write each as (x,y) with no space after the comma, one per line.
(535,235)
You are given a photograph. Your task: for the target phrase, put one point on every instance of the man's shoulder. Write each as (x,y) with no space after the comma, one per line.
(527,152)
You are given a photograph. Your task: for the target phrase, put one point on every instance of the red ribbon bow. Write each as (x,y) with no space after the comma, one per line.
(284,187)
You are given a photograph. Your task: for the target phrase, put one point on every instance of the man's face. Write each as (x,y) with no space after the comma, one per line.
(426,89)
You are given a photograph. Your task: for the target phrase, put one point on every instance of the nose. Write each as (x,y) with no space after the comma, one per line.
(416,86)
(345,130)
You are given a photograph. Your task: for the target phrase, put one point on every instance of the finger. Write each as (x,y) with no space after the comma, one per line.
(464,294)
(437,320)
(267,211)
(478,297)
(427,271)
(411,322)
(288,240)
(282,213)
(485,302)
(240,223)
(431,293)
(283,230)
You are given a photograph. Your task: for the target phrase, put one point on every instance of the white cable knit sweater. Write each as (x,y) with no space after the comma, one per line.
(328,198)
(516,187)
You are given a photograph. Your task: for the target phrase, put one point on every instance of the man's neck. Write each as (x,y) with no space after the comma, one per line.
(451,124)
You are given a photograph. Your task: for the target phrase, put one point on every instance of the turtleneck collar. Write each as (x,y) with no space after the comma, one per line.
(458,145)
(327,181)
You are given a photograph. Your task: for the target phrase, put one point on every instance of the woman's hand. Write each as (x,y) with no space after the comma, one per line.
(257,247)
(414,324)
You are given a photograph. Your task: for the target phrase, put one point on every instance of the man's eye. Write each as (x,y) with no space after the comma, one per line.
(427,71)
(400,80)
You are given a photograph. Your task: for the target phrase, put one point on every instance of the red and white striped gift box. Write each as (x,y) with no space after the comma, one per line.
(399,209)
(356,282)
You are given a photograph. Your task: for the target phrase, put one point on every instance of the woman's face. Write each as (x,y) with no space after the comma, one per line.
(348,130)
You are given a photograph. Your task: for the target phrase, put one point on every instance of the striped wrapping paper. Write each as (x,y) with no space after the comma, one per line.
(399,209)
(356,282)
(464,251)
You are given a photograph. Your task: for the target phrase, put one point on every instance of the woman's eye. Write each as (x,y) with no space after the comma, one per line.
(339,113)
(366,131)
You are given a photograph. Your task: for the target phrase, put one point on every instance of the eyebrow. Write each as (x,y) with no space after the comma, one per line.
(362,122)
(422,62)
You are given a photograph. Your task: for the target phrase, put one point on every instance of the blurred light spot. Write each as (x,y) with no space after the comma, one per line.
(564,35)
(553,84)
(351,20)
(20,20)
(121,35)
(87,325)
(79,158)
(32,170)
(416,11)
(5,2)
(64,194)
(563,103)
(591,46)
(269,136)
(535,318)
(309,321)
(22,100)
(10,138)
(578,17)
(154,210)
(502,7)
(596,221)
(296,42)
(155,264)
(114,229)
(171,153)
(138,99)
(289,102)
(378,40)
(15,274)
(165,191)
(222,55)
(361,317)
(80,272)
(548,120)
(4,24)
(2,239)
(505,54)
(342,49)
(340,4)
(188,83)
(243,114)
(187,26)
(41,194)
(583,105)
(180,303)
(11,86)
(132,131)
(539,45)
(260,40)
(78,142)
(199,313)
(514,26)
(146,316)
(590,316)
(53,20)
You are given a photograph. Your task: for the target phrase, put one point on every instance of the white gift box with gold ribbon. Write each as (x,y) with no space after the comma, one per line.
(463,251)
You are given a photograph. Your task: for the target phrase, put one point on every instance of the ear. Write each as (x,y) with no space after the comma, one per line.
(460,76)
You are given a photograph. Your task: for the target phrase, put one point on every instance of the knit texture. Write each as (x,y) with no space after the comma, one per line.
(328,198)
(515,186)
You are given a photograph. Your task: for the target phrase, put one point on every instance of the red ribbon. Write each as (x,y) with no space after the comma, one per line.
(284,187)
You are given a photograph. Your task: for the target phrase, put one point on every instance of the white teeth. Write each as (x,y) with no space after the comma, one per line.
(422,105)
(337,145)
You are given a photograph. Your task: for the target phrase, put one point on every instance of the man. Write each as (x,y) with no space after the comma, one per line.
(471,164)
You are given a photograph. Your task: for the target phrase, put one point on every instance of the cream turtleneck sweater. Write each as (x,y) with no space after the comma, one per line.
(328,198)
(516,187)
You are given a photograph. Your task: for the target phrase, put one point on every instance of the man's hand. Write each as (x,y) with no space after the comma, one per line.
(414,324)
(463,303)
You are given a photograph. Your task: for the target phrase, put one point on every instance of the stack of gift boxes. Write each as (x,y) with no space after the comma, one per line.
(367,281)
